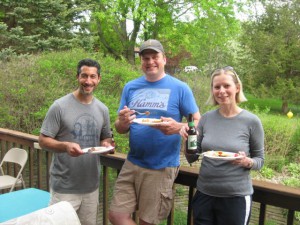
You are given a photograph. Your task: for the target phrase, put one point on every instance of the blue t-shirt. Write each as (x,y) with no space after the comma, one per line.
(168,97)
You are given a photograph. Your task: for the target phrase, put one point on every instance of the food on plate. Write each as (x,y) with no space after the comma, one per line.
(151,120)
(92,149)
(226,154)
(222,154)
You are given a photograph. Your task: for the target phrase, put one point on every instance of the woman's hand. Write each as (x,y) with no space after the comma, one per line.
(244,161)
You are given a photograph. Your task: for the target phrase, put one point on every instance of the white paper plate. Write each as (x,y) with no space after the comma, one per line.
(227,156)
(148,121)
(97,150)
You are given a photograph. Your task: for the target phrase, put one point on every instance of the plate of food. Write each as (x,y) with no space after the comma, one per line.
(221,155)
(97,150)
(148,121)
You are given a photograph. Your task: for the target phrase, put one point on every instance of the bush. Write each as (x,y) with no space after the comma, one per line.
(279,132)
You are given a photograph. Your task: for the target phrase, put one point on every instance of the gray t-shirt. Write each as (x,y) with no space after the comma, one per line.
(85,124)
(243,132)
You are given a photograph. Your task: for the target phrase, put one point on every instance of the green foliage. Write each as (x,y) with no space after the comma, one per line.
(267,172)
(292,182)
(180,218)
(180,190)
(294,169)
(282,142)
(273,104)
(30,85)
(178,24)
(293,178)
(200,85)
(272,44)
(271,222)
(33,26)
(278,135)
(295,140)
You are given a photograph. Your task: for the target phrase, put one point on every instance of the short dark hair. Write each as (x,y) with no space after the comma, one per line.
(89,63)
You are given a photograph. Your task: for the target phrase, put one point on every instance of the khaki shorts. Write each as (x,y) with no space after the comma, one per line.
(150,192)
(86,205)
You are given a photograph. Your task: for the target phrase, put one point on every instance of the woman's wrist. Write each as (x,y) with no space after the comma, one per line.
(250,163)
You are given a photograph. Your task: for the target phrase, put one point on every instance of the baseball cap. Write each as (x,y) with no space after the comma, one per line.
(152,44)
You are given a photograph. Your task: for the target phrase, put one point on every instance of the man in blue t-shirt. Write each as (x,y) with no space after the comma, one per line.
(145,183)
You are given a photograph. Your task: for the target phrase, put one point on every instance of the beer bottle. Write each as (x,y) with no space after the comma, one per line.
(191,143)
(113,143)
(112,138)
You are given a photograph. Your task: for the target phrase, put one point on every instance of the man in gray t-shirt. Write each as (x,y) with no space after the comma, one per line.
(74,122)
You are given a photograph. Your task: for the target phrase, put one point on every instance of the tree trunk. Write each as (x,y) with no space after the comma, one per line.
(131,57)
(285,104)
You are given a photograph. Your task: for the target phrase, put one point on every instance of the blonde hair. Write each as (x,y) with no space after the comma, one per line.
(240,97)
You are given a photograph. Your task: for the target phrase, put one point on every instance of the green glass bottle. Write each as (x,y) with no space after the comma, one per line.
(191,143)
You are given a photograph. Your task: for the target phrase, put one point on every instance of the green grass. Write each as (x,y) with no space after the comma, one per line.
(180,218)
(273,104)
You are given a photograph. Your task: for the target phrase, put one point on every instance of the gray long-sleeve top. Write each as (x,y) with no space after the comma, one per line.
(243,132)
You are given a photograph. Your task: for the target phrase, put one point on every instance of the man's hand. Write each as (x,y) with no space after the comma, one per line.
(107,143)
(51,144)
(125,118)
(73,149)
(170,126)
(183,131)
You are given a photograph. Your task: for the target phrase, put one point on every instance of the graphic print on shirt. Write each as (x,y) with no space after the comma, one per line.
(149,98)
(85,130)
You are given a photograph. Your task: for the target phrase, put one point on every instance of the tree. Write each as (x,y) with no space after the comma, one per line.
(180,25)
(273,43)
(29,26)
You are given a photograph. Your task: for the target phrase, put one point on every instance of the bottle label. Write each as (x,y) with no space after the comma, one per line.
(192,142)
(191,124)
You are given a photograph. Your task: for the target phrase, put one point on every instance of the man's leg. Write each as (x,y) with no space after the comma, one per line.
(88,210)
(73,199)
(117,218)
(124,200)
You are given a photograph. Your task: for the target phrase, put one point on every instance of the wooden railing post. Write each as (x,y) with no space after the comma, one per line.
(262,214)
(105,185)
(290,217)
(190,215)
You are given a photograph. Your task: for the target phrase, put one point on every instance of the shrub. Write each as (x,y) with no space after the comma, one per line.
(279,131)
(267,172)
(30,85)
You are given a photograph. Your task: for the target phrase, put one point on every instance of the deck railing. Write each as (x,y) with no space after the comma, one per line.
(36,175)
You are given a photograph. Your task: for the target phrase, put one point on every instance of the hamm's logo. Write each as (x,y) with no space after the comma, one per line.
(145,104)
(150,99)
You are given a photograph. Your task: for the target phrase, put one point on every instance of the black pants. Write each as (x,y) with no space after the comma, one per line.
(209,210)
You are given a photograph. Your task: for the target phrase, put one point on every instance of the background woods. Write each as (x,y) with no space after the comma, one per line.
(259,38)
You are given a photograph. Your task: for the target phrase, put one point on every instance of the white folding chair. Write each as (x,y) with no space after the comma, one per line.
(18,156)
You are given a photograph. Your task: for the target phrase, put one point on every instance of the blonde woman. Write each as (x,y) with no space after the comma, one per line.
(224,188)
